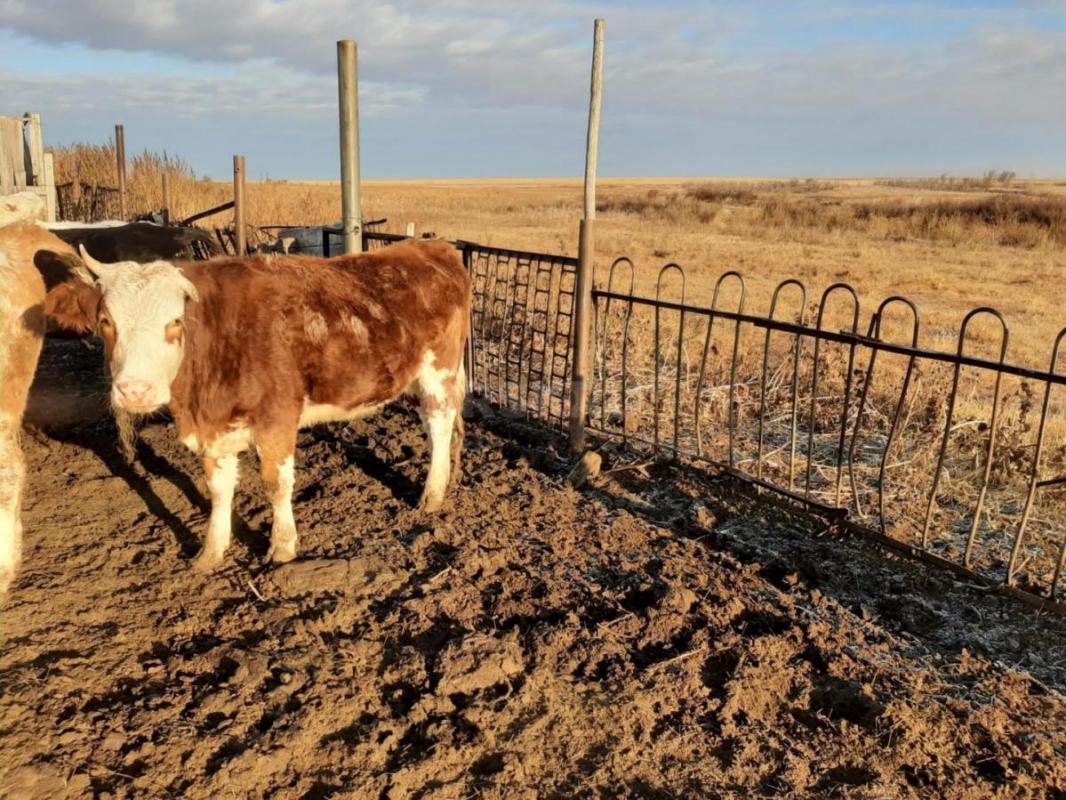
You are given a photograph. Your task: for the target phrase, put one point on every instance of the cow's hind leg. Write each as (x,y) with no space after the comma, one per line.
(458,398)
(441,402)
(222,475)
(276,463)
(458,433)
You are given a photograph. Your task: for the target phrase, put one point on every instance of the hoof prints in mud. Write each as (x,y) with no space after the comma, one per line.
(530,639)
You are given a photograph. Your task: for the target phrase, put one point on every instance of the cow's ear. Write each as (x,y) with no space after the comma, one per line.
(73,306)
(58,267)
(189,288)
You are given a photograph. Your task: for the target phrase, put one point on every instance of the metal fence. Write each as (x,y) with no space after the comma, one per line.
(522,321)
(86,202)
(954,458)
(951,457)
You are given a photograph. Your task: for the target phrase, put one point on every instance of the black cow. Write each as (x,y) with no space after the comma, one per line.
(141,242)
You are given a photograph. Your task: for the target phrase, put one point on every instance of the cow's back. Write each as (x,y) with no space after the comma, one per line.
(140,241)
(21,206)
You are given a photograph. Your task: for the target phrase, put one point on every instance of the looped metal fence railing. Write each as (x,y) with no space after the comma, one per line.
(942,455)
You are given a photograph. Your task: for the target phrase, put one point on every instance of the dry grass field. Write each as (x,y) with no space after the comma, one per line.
(948,244)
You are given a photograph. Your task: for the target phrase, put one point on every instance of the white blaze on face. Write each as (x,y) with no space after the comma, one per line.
(144,305)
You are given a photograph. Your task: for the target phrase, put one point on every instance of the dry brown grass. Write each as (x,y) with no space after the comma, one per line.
(920,239)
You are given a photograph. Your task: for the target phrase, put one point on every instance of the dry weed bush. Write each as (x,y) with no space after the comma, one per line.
(1010,220)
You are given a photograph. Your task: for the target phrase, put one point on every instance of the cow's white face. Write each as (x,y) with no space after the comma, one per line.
(141,319)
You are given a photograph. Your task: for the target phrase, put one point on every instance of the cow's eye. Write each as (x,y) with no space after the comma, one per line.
(174,330)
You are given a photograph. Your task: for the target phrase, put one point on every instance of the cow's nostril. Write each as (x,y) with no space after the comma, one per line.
(133,390)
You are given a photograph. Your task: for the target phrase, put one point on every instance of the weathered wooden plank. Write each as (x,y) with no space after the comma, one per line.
(12,154)
(35,144)
(50,186)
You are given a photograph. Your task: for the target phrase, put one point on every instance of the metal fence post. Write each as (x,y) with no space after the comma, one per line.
(348,97)
(120,169)
(586,253)
(238,205)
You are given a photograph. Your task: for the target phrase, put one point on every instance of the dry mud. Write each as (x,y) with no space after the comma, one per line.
(655,634)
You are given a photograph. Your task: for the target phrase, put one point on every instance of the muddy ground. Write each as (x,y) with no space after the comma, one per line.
(655,634)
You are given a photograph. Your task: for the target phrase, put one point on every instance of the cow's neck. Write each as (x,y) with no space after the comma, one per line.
(186,390)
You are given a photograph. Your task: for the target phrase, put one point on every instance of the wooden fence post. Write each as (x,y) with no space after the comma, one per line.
(240,241)
(36,143)
(167,213)
(586,253)
(120,169)
(348,103)
(50,199)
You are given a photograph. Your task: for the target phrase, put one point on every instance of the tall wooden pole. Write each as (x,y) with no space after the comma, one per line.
(586,252)
(167,211)
(120,169)
(238,204)
(348,97)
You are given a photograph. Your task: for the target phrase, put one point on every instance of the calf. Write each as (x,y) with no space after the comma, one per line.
(29,256)
(249,350)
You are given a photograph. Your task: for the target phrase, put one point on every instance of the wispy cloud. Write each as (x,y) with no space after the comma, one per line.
(817,77)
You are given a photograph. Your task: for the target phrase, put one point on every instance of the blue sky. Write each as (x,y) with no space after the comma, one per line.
(499,88)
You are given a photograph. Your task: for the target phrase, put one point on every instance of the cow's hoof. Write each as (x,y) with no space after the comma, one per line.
(282,552)
(430,505)
(208,561)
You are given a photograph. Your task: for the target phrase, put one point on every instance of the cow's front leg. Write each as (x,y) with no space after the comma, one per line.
(279,474)
(222,481)
(12,473)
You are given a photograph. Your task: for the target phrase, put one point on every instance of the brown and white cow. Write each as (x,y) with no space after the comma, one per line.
(30,259)
(246,351)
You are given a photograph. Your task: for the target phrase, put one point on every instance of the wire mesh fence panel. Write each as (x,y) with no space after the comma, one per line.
(85,202)
(522,330)
(959,456)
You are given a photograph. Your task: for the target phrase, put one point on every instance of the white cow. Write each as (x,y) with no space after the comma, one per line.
(21,206)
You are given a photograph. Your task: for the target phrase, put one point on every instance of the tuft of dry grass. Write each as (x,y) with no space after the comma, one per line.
(950,183)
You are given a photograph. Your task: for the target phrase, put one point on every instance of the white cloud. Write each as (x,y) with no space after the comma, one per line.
(255,88)
(707,65)
(467,47)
